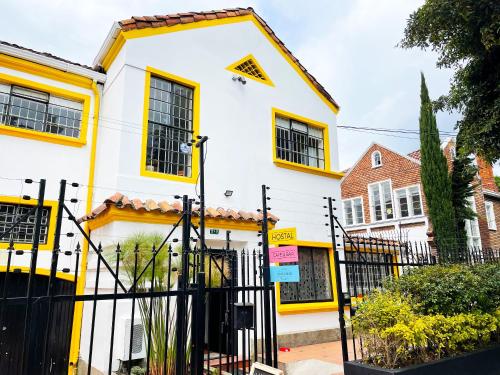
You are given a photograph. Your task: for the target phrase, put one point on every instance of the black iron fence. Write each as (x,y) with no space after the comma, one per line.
(188,309)
(362,263)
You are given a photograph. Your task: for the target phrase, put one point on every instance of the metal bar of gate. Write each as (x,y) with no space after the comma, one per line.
(53,269)
(25,355)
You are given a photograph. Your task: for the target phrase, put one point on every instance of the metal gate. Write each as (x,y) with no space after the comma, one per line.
(199,310)
(362,264)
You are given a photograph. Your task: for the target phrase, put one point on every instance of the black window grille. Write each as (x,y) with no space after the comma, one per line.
(363,277)
(299,143)
(35,110)
(315,283)
(10,213)
(170,128)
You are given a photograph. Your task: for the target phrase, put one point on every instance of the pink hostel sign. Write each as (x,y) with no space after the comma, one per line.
(283,254)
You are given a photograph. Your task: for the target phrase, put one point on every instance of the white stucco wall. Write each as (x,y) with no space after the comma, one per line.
(22,158)
(238,121)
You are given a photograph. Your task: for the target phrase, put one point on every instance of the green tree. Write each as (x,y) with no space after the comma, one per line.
(436,181)
(497,181)
(466,36)
(462,178)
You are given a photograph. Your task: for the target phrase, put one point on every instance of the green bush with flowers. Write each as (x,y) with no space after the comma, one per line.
(430,313)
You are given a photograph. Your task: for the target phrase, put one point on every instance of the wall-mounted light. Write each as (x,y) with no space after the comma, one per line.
(240,79)
(228,193)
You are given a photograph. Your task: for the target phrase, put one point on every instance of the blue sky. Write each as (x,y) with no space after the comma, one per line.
(349,46)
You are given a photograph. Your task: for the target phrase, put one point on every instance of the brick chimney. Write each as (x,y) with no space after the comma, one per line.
(486,174)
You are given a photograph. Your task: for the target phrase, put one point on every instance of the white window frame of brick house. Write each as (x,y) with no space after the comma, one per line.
(354,222)
(372,206)
(490,215)
(374,163)
(472,228)
(411,212)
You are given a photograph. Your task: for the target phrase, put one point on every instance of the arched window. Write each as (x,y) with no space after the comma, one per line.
(376,159)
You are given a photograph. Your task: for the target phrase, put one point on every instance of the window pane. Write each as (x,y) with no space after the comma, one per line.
(377,206)
(403,203)
(35,110)
(415,200)
(170,125)
(358,211)
(10,213)
(387,200)
(299,143)
(348,212)
(315,281)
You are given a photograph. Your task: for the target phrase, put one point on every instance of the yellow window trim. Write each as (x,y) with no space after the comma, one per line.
(155,217)
(196,126)
(300,167)
(233,66)
(310,307)
(39,271)
(30,67)
(49,137)
(52,222)
(140,33)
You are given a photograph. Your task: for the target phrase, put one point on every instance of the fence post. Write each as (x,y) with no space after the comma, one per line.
(53,269)
(338,282)
(31,280)
(182,283)
(267,281)
(200,299)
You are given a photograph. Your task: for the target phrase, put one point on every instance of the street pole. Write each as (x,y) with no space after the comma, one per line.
(267,281)
(338,282)
(201,273)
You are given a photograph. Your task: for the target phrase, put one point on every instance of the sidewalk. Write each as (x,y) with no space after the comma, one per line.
(318,359)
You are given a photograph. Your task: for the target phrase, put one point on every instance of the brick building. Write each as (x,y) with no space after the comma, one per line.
(382,196)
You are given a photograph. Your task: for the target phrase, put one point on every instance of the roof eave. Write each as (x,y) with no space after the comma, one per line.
(106,45)
(51,62)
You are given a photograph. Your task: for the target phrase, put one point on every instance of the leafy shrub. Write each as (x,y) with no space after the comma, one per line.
(430,313)
(450,290)
(405,337)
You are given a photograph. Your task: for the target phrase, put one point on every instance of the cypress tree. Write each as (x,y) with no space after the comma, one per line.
(462,178)
(436,180)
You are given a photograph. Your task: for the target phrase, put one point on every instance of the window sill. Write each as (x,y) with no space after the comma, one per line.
(301,308)
(171,177)
(307,169)
(40,136)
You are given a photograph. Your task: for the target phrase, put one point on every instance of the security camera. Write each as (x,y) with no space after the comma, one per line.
(240,79)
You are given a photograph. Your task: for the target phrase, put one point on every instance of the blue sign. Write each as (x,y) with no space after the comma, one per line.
(285,274)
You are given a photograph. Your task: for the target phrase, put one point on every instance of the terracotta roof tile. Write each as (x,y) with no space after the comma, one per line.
(123,202)
(414,154)
(151,205)
(174,19)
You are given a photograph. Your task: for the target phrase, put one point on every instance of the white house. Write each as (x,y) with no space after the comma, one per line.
(157,83)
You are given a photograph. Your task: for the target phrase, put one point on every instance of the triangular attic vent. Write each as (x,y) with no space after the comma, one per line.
(250,68)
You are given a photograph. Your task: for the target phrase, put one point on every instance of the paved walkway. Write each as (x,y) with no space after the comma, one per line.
(318,359)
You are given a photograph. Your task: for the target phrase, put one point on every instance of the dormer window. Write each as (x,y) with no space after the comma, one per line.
(376,159)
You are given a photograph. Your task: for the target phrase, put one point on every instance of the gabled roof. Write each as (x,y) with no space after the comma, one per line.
(414,160)
(170,20)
